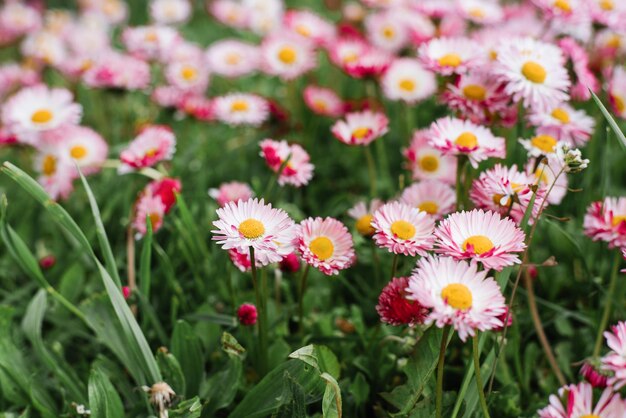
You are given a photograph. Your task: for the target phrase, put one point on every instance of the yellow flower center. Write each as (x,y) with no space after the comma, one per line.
(429,163)
(49,165)
(467,140)
(617,220)
(407,85)
(493,55)
(428,207)
(534,72)
(188,73)
(450,60)
(618,101)
(320,105)
(239,106)
(474,92)
(287,55)
(152,152)
(251,228)
(545,143)
(607,5)
(477,13)
(561,115)
(360,133)
(78,152)
(150,37)
(388,32)
(364,225)
(232,59)
(457,295)
(563,5)
(591,416)
(41,116)
(350,57)
(403,229)
(322,247)
(480,243)
(614,41)
(303,30)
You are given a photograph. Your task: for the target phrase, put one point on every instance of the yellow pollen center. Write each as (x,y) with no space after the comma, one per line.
(303,30)
(189,73)
(614,42)
(429,207)
(251,228)
(545,143)
(563,5)
(239,106)
(618,101)
(467,140)
(617,220)
(350,57)
(150,37)
(78,152)
(493,55)
(607,5)
(287,55)
(561,115)
(152,152)
(403,229)
(41,116)
(232,59)
(450,60)
(364,225)
(320,105)
(591,416)
(457,295)
(49,165)
(360,133)
(388,32)
(407,85)
(322,247)
(477,13)
(480,243)
(474,92)
(534,72)
(429,163)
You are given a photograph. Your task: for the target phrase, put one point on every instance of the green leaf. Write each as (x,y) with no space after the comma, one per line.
(331,403)
(293,399)
(187,347)
(359,389)
(610,120)
(191,408)
(231,346)
(170,367)
(320,357)
(104,401)
(144,263)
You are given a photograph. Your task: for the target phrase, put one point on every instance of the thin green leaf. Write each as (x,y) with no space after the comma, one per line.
(187,347)
(144,263)
(104,401)
(610,120)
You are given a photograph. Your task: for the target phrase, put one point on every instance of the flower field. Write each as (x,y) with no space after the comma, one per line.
(312,208)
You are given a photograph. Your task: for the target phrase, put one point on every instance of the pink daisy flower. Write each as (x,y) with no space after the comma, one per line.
(17,19)
(166,189)
(578,401)
(591,372)
(461,137)
(232,58)
(240,260)
(363,213)
(361,128)
(151,42)
(615,360)
(231,192)
(298,171)
(480,236)
(169,12)
(506,191)
(197,106)
(56,174)
(403,229)
(311,26)
(406,80)
(395,309)
(584,79)
(247,314)
(253,224)
(606,221)
(188,75)
(372,63)
(482,12)
(431,196)
(287,56)
(118,71)
(230,13)
(448,56)
(241,109)
(14,76)
(167,96)
(45,48)
(35,110)
(385,30)
(148,206)
(323,101)
(154,144)
(617,92)
(564,123)
(325,244)
(79,145)
(347,50)
(457,294)
(533,72)
(427,162)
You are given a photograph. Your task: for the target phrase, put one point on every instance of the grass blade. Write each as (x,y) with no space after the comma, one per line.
(610,120)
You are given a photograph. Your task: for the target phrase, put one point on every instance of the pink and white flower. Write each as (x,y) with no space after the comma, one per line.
(154,144)
(617,92)
(323,101)
(431,196)
(407,80)
(448,56)
(232,58)
(403,229)
(231,192)
(584,79)
(297,169)
(188,75)
(606,221)
(457,294)
(153,42)
(241,109)
(148,207)
(427,162)
(310,26)
(363,213)
(286,56)
(615,360)
(564,123)
(169,12)
(578,401)
(325,244)
(386,30)
(481,236)
(118,71)
(361,128)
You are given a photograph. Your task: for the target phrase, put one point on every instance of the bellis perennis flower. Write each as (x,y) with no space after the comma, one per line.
(325,244)
(361,128)
(403,229)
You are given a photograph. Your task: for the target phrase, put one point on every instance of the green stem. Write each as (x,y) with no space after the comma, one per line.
(442,355)
(479,380)
(303,278)
(607,306)
(371,168)
(461,161)
(394,266)
(259,293)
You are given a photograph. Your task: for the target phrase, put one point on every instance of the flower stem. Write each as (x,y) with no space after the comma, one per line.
(442,354)
(303,278)
(479,380)
(260,294)
(394,266)
(607,306)
(371,168)
(460,166)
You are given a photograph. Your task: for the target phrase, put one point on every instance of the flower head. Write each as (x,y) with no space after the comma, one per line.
(363,213)
(161,395)
(427,162)
(408,81)
(361,128)
(287,56)
(564,123)
(325,244)
(323,101)
(448,56)
(232,58)
(241,109)
(294,161)
(247,314)
(606,221)
(395,309)
(578,401)
(403,229)
(431,196)
(155,143)
(231,192)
